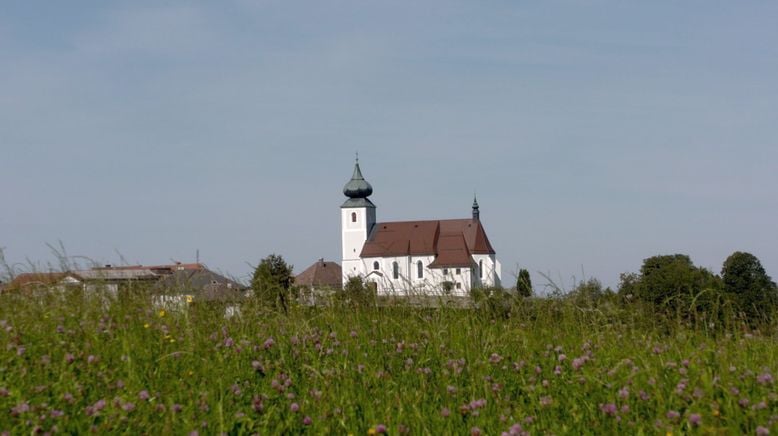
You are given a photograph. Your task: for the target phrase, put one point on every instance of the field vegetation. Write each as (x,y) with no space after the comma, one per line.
(676,350)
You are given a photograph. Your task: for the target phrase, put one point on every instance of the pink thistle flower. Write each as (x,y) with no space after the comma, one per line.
(762,431)
(695,419)
(143,395)
(445,412)
(562,357)
(91,359)
(673,415)
(495,358)
(380,429)
(475,431)
(257,366)
(177,408)
(269,342)
(307,420)
(294,407)
(624,393)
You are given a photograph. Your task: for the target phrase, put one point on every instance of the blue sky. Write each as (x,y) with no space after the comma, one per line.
(596,133)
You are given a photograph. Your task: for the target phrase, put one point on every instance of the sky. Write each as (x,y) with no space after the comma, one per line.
(595,133)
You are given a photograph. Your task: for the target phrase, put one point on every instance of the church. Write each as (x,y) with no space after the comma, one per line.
(403,258)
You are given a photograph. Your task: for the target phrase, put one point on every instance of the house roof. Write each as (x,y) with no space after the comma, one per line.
(321,273)
(34,279)
(205,284)
(452,242)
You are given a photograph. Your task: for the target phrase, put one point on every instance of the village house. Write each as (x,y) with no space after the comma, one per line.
(429,257)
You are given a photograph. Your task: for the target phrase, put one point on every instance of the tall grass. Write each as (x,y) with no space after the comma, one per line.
(74,364)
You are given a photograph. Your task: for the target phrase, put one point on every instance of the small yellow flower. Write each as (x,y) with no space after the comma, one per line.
(189,298)
(716,412)
(669,433)
(371,431)
(162,313)
(172,340)
(190,373)
(145,326)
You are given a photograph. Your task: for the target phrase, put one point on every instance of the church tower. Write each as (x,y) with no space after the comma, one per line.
(357,217)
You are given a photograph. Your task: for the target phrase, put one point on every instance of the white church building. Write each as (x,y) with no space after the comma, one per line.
(431,257)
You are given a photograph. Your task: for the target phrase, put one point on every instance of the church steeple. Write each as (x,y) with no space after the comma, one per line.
(357,189)
(476,212)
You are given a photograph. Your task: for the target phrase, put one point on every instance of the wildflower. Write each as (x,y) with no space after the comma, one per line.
(562,357)
(128,407)
(609,409)
(3,392)
(764,379)
(229,342)
(146,325)
(161,313)
(673,415)
(624,393)
(762,431)
(743,402)
(91,359)
(257,366)
(256,404)
(495,358)
(695,419)
(475,431)
(143,395)
(578,363)
(380,429)
(294,407)
(269,342)
(545,401)
(176,408)
(445,412)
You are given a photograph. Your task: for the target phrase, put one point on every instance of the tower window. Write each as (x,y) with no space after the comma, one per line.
(395,270)
(353,217)
(459,271)
(419,270)
(445,271)
(375,266)
(459,285)
(480,269)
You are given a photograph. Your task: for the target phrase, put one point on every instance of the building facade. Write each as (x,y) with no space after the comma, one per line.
(430,257)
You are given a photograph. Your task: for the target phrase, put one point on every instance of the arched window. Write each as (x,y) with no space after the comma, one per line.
(419,270)
(480,269)
(395,270)
(353,217)
(375,265)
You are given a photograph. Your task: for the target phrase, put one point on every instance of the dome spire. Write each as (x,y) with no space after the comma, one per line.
(476,212)
(357,189)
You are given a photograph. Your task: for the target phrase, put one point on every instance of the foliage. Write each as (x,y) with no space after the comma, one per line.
(357,293)
(494,302)
(272,282)
(75,365)
(673,284)
(748,285)
(524,284)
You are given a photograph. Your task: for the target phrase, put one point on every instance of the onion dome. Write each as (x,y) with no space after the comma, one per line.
(357,190)
(357,187)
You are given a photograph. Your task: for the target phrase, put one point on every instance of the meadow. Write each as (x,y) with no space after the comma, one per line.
(71,364)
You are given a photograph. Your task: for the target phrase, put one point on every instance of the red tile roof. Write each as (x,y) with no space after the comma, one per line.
(35,279)
(321,273)
(452,242)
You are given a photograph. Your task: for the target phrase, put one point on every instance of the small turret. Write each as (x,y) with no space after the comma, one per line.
(476,212)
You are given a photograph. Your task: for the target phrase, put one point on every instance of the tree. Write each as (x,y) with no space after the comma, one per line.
(672,283)
(272,281)
(524,284)
(357,293)
(749,286)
